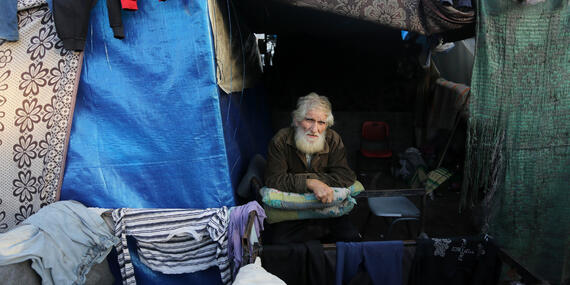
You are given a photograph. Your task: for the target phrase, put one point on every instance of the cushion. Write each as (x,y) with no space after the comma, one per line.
(356,188)
(285,206)
(436,178)
(279,215)
(295,201)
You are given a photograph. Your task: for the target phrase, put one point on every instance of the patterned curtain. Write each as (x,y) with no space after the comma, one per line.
(518,158)
(38,81)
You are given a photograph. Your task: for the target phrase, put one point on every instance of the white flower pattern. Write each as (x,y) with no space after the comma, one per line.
(440,246)
(388,12)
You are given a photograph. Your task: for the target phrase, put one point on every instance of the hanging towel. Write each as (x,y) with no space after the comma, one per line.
(381,259)
(173,241)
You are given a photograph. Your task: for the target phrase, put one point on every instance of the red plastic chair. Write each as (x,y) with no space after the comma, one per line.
(375,140)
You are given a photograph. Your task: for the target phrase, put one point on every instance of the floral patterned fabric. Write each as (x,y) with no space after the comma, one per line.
(38,81)
(458,260)
(421,16)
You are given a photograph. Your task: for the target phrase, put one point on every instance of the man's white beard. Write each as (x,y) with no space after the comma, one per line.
(306,146)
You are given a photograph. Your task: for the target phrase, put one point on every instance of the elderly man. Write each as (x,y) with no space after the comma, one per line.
(309,157)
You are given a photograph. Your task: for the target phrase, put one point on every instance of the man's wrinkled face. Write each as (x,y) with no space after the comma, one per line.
(314,124)
(309,136)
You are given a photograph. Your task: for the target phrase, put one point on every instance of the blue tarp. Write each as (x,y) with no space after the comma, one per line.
(151,129)
(147,130)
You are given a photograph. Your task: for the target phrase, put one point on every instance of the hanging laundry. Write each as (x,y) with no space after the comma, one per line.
(461,260)
(63,240)
(199,236)
(382,260)
(129,4)
(298,263)
(72,20)
(115,20)
(238,221)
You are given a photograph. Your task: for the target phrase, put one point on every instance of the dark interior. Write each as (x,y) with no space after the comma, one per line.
(369,73)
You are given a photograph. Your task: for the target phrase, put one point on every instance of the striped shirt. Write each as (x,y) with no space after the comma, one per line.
(173,241)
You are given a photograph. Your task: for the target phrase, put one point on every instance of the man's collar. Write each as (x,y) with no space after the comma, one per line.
(291,141)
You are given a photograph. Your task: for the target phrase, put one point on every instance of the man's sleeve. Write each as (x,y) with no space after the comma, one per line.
(276,175)
(337,172)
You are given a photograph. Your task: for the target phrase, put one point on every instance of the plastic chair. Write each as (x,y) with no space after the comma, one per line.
(395,205)
(375,140)
(375,152)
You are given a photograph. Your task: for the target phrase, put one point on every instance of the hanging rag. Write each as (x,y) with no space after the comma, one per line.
(381,259)
(63,240)
(238,221)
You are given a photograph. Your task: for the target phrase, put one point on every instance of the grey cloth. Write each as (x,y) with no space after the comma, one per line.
(63,240)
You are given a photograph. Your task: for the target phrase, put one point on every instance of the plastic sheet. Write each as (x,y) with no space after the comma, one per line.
(147,130)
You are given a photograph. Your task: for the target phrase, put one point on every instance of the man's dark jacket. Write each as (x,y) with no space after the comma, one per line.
(287,166)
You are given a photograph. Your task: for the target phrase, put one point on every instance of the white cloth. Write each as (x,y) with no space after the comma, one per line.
(254,274)
(63,240)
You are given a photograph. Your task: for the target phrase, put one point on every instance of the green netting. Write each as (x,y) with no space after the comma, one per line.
(518,153)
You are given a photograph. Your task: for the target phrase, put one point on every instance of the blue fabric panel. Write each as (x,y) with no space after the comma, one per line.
(247,128)
(9,20)
(147,131)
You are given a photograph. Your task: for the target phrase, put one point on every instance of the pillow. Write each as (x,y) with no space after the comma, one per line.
(356,188)
(295,201)
(436,178)
(279,215)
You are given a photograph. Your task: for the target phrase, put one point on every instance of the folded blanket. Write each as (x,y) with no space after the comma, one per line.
(284,206)
(295,201)
(279,215)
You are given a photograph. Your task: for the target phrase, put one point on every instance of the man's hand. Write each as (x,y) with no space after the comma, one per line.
(322,191)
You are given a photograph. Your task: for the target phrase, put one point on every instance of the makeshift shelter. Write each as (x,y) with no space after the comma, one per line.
(169,116)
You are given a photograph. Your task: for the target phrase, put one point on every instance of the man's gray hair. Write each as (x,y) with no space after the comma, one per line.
(309,102)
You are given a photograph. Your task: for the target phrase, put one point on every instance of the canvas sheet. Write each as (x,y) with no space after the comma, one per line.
(38,81)
(238,65)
